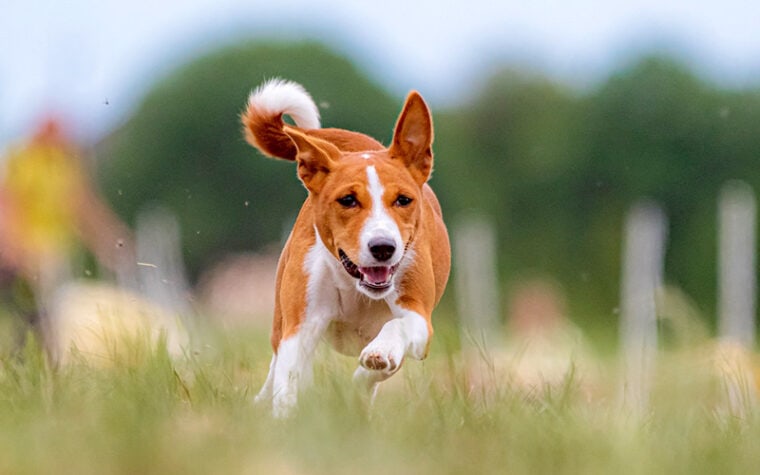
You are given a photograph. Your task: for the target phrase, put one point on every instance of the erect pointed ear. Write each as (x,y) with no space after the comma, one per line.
(413,138)
(315,158)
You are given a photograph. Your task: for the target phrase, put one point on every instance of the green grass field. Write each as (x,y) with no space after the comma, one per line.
(440,416)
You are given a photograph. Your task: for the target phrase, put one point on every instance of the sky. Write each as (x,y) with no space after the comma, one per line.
(93,60)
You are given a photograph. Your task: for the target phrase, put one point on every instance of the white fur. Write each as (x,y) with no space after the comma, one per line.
(333,296)
(265,394)
(278,96)
(285,377)
(406,334)
(291,367)
(414,331)
(378,225)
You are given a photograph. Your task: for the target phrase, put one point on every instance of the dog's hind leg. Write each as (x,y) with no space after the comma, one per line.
(265,394)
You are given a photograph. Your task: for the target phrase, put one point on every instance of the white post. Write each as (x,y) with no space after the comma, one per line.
(475,258)
(737,294)
(161,271)
(737,282)
(643,255)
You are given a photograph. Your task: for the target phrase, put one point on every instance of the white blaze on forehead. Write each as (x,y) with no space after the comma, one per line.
(379,224)
(366,156)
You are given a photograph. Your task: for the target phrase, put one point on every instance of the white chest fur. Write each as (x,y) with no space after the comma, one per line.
(349,318)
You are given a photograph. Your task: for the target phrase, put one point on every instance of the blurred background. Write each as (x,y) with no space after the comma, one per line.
(551,119)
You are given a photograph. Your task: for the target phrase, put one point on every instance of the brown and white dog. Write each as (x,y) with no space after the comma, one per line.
(368,257)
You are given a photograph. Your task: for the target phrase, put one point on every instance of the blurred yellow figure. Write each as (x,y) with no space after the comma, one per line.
(47,209)
(43,184)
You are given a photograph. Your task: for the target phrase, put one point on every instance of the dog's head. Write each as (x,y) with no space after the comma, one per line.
(368,204)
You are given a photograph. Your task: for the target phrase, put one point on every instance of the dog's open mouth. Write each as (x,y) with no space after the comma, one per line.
(375,278)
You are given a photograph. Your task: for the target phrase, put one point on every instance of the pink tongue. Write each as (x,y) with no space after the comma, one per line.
(376,275)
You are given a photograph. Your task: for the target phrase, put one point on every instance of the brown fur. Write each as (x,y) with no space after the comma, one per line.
(265,131)
(330,166)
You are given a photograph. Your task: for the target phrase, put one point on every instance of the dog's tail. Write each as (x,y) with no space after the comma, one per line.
(263,118)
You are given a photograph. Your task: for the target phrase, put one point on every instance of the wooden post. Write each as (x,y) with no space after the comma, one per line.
(737,287)
(643,255)
(476,268)
(736,249)
(161,271)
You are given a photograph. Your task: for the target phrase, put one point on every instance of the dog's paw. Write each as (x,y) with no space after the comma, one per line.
(379,362)
(379,356)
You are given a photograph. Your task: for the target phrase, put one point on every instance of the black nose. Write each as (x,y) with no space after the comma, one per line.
(382,249)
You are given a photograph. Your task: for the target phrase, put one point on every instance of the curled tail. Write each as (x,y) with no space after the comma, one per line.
(263,117)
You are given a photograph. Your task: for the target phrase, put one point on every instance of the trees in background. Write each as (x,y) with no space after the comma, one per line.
(556,169)
(184,146)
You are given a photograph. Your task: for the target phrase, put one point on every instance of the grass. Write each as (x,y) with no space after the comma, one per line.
(444,415)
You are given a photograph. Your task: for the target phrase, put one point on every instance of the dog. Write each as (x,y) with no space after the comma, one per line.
(368,257)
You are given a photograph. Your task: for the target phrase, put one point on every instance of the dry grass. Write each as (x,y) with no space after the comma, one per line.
(451,414)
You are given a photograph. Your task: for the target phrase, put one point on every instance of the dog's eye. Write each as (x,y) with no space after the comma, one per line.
(402,201)
(348,201)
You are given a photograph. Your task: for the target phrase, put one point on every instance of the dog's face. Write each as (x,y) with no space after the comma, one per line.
(369,213)
(369,203)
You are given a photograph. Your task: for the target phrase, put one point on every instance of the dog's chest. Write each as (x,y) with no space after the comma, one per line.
(352,319)
(357,320)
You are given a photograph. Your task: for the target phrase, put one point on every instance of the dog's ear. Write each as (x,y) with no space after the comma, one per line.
(413,138)
(315,158)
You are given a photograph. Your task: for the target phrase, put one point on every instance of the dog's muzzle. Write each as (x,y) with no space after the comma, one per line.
(374,278)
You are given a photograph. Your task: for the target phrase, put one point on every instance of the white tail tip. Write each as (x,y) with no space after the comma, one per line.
(279,96)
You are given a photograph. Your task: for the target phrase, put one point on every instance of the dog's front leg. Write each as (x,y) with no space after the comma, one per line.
(292,368)
(407,334)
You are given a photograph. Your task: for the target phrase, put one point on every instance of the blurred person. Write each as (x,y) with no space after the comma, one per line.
(48,209)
